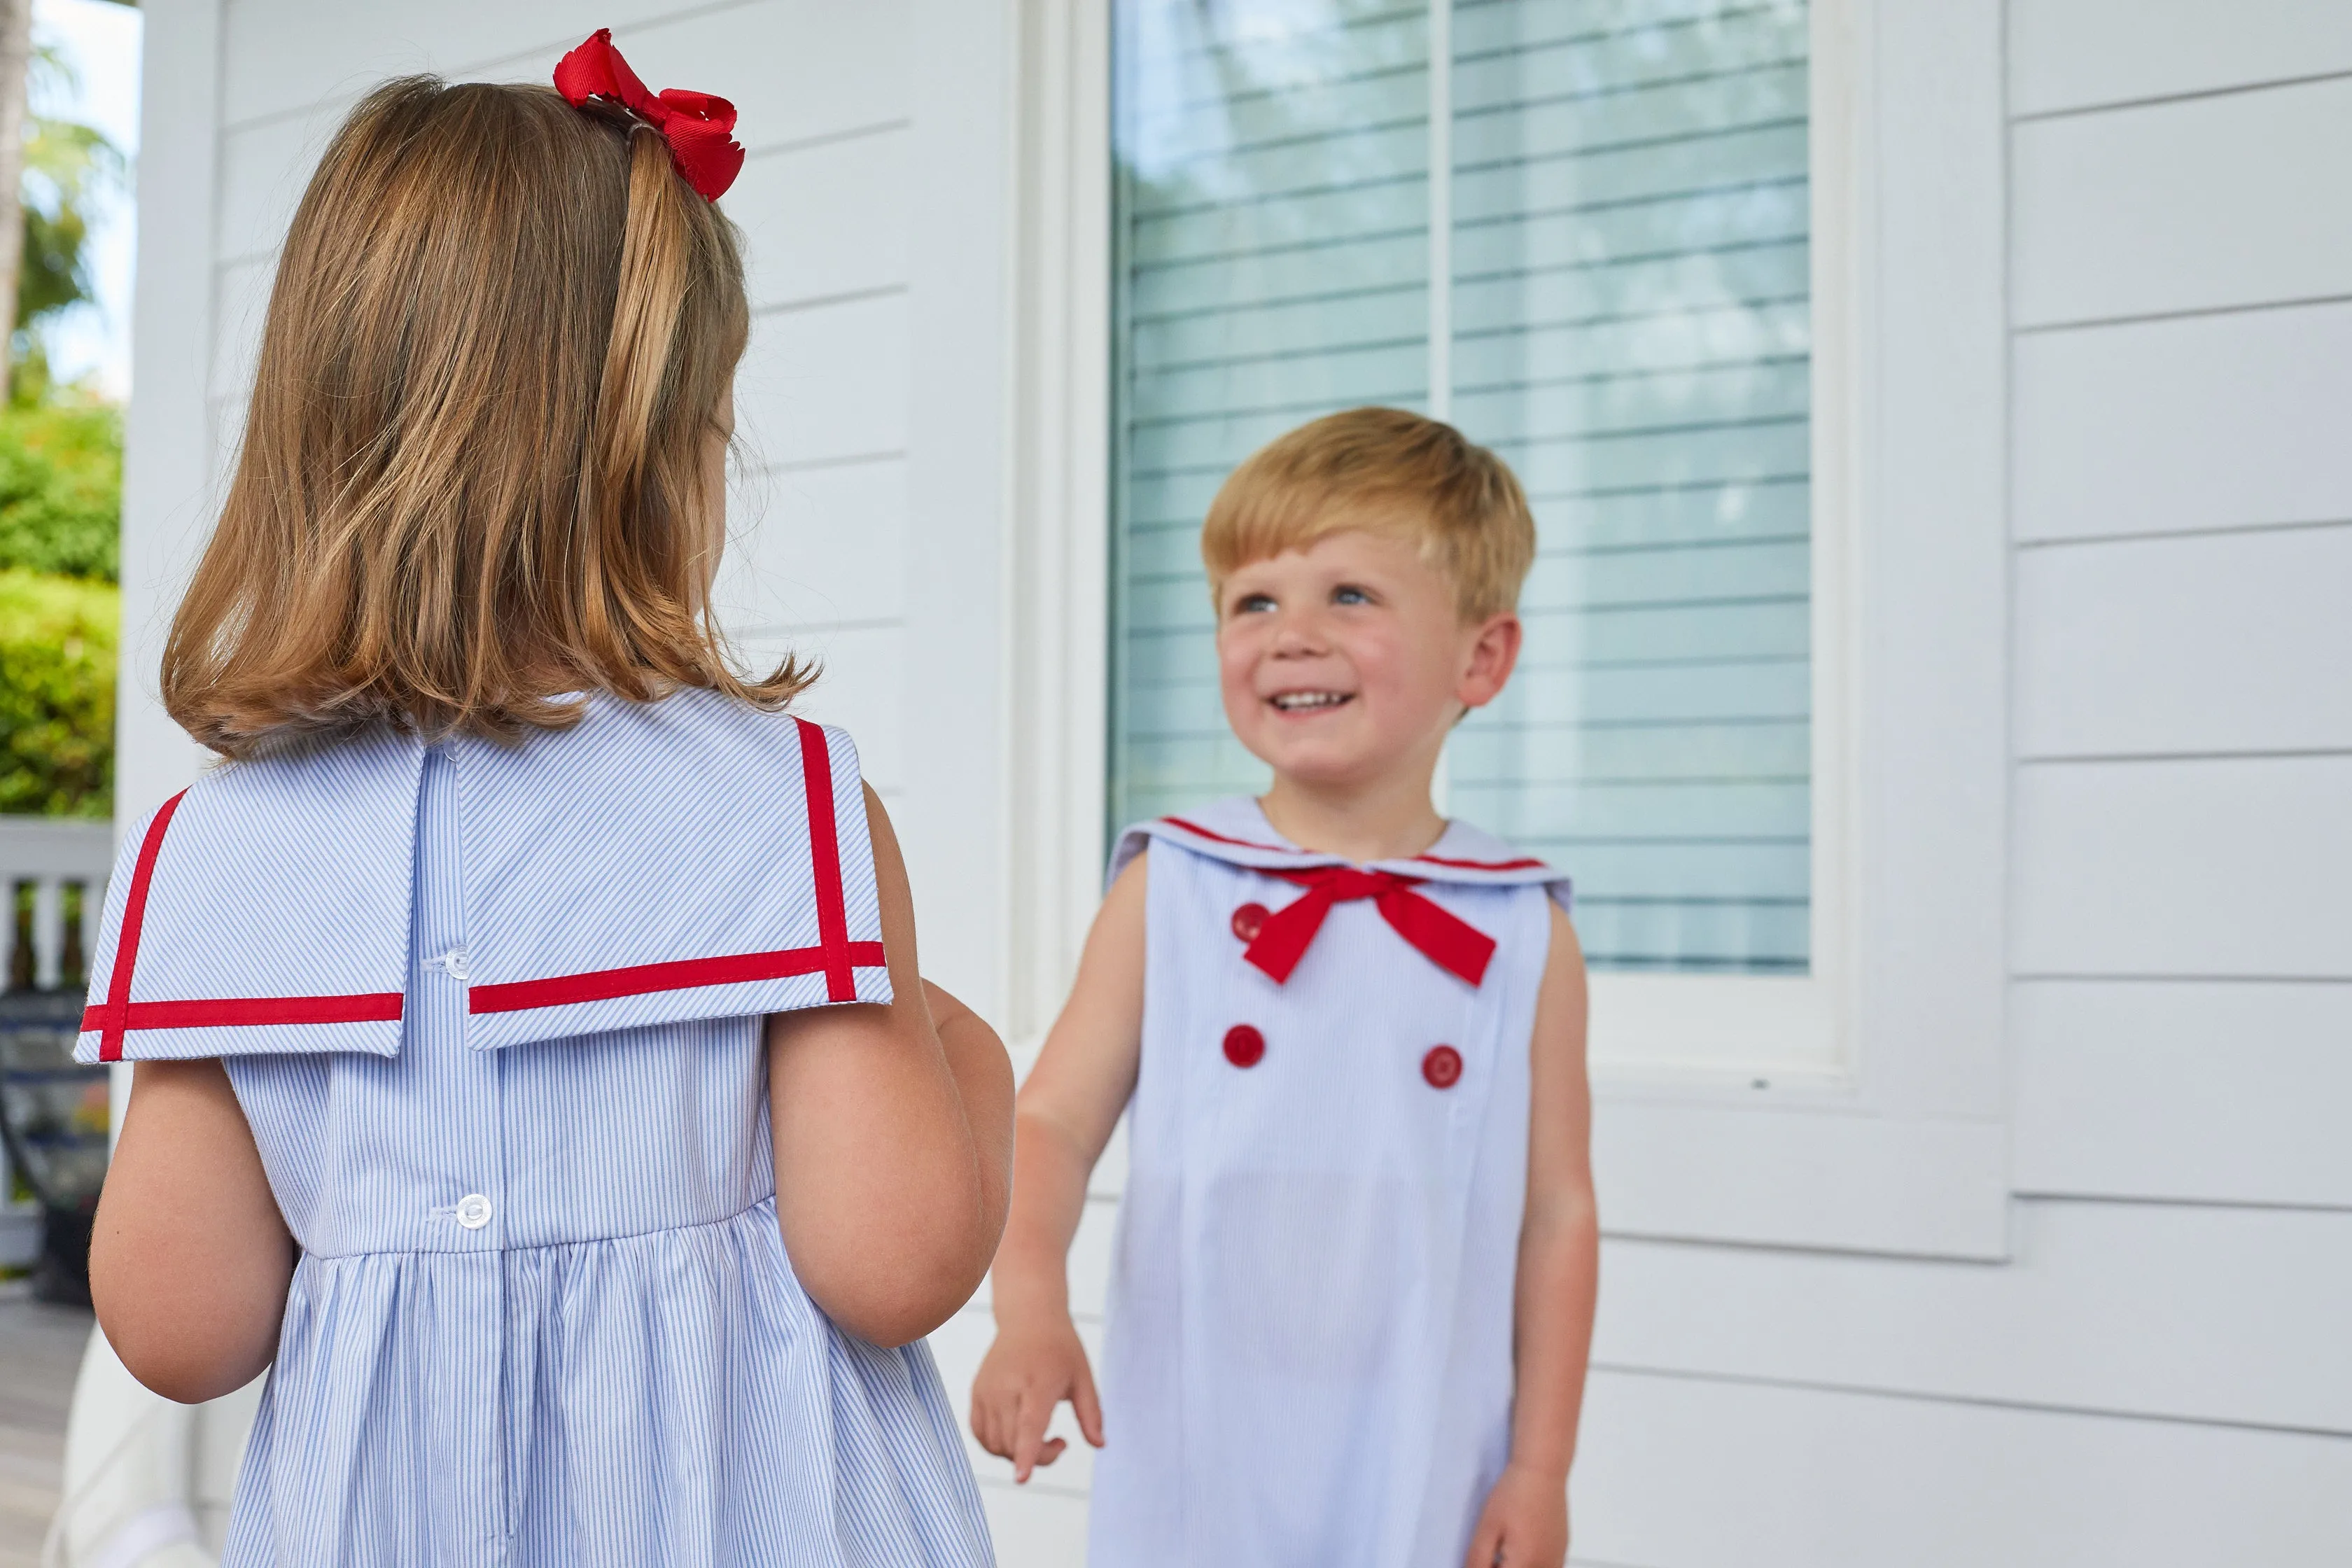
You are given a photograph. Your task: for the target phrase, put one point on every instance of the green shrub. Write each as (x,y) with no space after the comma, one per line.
(61,487)
(56,694)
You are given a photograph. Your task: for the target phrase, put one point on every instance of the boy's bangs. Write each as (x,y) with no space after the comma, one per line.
(1275,523)
(1384,471)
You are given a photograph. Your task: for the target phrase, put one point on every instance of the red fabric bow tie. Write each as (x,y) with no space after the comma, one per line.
(699,129)
(1452,943)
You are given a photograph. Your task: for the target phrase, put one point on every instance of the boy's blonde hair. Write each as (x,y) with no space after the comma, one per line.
(1384,471)
(472,482)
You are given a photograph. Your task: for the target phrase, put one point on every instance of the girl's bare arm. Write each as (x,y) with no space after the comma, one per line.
(1068,1109)
(893,1131)
(190,1258)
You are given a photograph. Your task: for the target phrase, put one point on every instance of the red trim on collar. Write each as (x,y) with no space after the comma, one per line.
(680,975)
(824,865)
(116,1017)
(251,1012)
(118,1014)
(834,955)
(1198,831)
(1524,864)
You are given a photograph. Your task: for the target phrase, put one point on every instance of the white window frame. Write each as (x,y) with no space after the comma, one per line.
(1859,1107)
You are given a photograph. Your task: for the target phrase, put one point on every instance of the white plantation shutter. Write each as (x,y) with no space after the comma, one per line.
(1627,281)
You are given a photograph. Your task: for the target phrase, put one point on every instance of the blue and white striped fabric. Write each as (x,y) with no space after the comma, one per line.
(1308,1352)
(543,1314)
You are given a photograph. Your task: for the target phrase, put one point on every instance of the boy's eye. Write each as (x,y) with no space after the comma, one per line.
(1253,604)
(1347,594)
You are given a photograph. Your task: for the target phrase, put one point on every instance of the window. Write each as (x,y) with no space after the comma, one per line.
(1609,280)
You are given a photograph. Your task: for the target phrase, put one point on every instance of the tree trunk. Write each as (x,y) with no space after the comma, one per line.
(15,58)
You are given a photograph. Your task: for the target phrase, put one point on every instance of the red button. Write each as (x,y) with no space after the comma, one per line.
(1442,1067)
(1248,921)
(1244,1047)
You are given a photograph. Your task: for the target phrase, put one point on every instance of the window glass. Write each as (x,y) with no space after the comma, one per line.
(1623,297)
(1272,240)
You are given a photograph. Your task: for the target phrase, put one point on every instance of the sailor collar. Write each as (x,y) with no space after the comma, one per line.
(1235,830)
(693,858)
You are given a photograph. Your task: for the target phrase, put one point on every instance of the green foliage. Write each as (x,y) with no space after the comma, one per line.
(56,694)
(61,486)
(60,495)
(68,170)
(66,166)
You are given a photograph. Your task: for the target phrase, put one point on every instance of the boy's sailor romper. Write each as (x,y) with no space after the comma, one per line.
(1308,1354)
(493,1011)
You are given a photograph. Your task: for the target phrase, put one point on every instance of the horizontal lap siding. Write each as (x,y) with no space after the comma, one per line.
(2193,423)
(2200,204)
(2206,645)
(2068,55)
(1678,1472)
(2181,1023)
(2212,1092)
(2182,260)
(2183,509)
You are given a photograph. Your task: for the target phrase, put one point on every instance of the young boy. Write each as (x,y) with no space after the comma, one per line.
(1356,1262)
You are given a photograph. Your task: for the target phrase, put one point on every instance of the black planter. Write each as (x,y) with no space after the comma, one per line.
(54,1116)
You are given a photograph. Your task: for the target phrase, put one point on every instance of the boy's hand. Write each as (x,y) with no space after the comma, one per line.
(1523,1524)
(1028,1372)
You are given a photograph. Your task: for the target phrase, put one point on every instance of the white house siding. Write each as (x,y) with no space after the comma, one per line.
(2159,1372)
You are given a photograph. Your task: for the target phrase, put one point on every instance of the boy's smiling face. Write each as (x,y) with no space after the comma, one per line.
(1346,663)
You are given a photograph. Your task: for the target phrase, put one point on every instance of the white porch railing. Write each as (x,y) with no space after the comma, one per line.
(50,853)
(53,853)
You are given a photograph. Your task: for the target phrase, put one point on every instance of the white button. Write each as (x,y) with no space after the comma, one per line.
(453,962)
(473,1211)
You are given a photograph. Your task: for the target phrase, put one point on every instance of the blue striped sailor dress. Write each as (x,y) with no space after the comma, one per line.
(493,1012)
(1307,1359)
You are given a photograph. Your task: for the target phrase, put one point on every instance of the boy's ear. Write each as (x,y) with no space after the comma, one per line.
(1493,654)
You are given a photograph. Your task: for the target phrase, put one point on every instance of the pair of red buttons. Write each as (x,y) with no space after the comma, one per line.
(1246,1047)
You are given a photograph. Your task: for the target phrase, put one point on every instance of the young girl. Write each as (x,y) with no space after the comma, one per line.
(534,1074)
(1353,1291)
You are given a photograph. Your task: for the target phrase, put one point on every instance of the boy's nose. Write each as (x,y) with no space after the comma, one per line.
(1297,636)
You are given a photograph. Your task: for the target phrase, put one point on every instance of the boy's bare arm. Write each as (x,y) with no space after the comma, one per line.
(1063,1118)
(1526,1517)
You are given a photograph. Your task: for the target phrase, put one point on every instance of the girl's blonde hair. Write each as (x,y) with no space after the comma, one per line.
(472,483)
(1388,471)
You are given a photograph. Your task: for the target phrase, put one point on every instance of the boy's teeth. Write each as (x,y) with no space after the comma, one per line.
(1292,700)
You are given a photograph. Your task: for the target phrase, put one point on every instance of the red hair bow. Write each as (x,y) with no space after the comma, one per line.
(699,129)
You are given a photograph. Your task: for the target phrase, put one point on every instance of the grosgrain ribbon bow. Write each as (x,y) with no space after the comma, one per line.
(1445,940)
(699,129)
